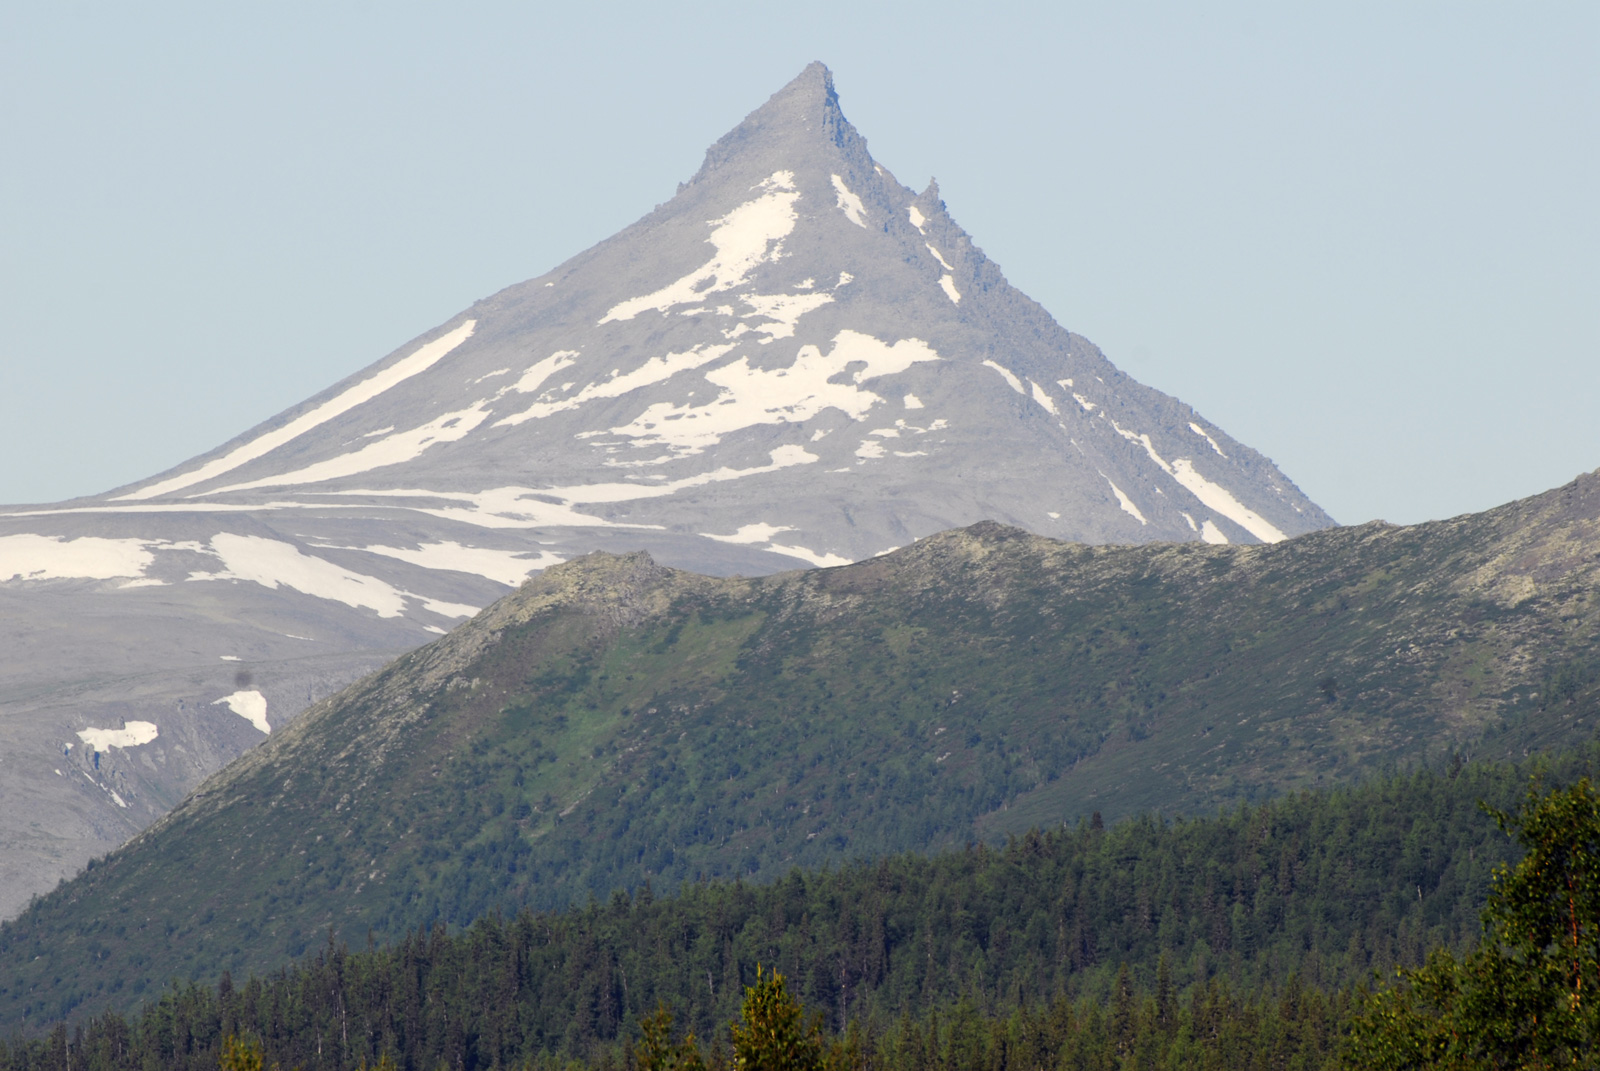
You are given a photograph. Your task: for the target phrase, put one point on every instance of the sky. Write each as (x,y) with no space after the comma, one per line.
(1363,238)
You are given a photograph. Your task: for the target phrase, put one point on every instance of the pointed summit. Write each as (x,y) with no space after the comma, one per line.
(798,118)
(796,361)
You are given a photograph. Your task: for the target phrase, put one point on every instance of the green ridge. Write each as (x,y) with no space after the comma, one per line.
(614,722)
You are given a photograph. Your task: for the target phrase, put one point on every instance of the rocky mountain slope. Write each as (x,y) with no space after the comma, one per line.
(615,721)
(794,361)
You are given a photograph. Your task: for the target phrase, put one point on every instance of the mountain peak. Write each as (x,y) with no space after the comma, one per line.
(796,361)
(798,116)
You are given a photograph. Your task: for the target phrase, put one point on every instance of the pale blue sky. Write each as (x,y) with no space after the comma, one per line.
(1363,237)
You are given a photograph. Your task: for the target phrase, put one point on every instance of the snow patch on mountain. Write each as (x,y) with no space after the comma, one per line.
(744,239)
(272,563)
(1007,375)
(1198,430)
(850,204)
(36,557)
(420,360)
(131,734)
(1216,496)
(753,396)
(761,533)
(783,310)
(534,376)
(502,566)
(1221,499)
(394,449)
(1047,403)
(251,706)
(655,370)
(1125,502)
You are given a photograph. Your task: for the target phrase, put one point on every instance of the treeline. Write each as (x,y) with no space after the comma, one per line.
(1244,923)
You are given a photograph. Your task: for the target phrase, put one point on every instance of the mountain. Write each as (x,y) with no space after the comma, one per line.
(794,361)
(615,721)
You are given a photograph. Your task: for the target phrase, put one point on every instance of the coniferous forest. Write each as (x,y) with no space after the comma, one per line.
(1242,940)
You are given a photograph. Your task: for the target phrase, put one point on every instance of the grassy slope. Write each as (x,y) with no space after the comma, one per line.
(614,720)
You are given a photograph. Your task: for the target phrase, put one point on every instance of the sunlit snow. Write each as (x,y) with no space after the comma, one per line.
(503,566)
(271,563)
(911,401)
(1219,498)
(392,450)
(917,218)
(1045,401)
(1016,384)
(421,360)
(132,734)
(945,264)
(752,396)
(1198,430)
(850,204)
(948,284)
(762,533)
(1211,533)
(655,370)
(745,238)
(534,376)
(251,706)
(784,310)
(36,557)
(1125,502)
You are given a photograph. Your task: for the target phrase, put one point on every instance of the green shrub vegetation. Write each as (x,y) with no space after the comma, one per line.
(1227,942)
(1529,994)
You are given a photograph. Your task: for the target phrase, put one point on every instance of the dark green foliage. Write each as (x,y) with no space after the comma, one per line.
(1529,995)
(1196,940)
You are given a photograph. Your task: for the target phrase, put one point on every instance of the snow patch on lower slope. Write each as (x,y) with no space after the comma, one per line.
(502,566)
(532,507)
(251,706)
(1125,502)
(274,564)
(760,535)
(1221,499)
(423,358)
(394,449)
(37,557)
(131,734)
(1214,495)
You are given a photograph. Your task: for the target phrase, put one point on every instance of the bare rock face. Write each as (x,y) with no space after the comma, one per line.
(796,361)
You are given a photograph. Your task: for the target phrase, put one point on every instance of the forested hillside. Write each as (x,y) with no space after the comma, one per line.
(1254,921)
